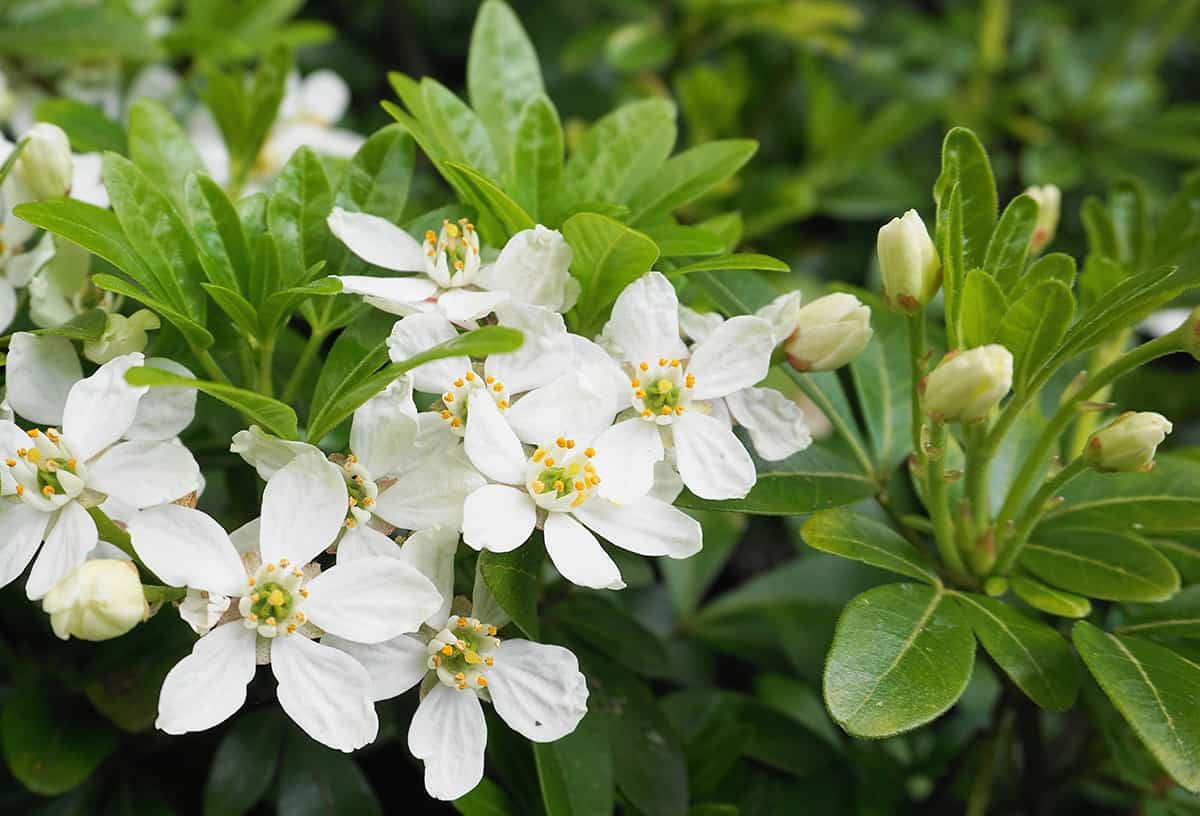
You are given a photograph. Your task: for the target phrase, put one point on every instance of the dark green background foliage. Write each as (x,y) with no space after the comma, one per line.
(706,674)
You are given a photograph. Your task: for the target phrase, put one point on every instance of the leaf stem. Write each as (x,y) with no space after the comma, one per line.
(937,489)
(307,355)
(163,594)
(1011,546)
(839,423)
(210,365)
(266,360)
(916,354)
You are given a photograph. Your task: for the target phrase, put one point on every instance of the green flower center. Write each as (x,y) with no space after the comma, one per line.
(271,600)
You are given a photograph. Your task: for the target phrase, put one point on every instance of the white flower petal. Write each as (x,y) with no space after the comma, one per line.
(430,496)
(697,326)
(449,734)
(782,313)
(415,334)
(143,474)
(363,542)
(304,507)
(22,267)
(164,413)
(325,96)
(392,295)
(736,355)
(667,484)
(431,553)
(712,461)
(546,352)
(377,241)
(209,685)
(325,691)
(384,428)
(625,457)
(372,599)
(394,666)
(537,689)
(187,548)
(460,305)
(245,538)
(490,444)
(646,527)
(533,268)
(39,374)
(776,424)
(267,453)
(23,529)
(498,518)
(578,556)
(68,542)
(645,321)
(8,304)
(101,408)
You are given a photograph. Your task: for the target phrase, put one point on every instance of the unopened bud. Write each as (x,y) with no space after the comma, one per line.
(122,335)
(45,165)
(1191,334)
(98,600)
(829,332)
(966,385)
(1129,443)
(1049,201)
(912,271)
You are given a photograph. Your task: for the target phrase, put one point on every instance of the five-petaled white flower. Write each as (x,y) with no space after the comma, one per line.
(280,608)
(114,442)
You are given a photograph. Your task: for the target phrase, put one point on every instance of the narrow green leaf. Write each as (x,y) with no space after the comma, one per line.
(1033,327)
(1048,599)
(262,104)
(608,256)
(1155,690)
(161,149)
(358,352)
(620,151)
(537,163)
(983,308)
(237,307)
(271,414)
(279,306)
(74,33)
(1005,256)
(487,198)
(687,176)
(485,799)
(852,535)
(1101,564)
(87,326)
(220,239)
(950,247)
(319,781)
(512,578)
(1127,208)
(93,228)
(1057,266)
(742,261)
(89,130)
(675,240)
(193,331)
(965,162)
(502,73)
(300,203)
(575,773)
(461,136)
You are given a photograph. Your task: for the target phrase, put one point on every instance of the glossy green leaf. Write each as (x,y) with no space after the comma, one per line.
(1165,500)
(485,799)
(675,240)
(72,32)
(358,352)
(883,377)
(319,781)
(87,326)
(1048,599)
(378,177)
(852,535)
(195,333)
(609,629)
(687,176)
(89,130)
(739,261)
(300,203)
(575,772)
(1127,208)
(950,248)
(220,240)
(1101,564)
(1033,327)
(161,149)
(620,151)
(902,655)
(460,135)
(1033,655)
(537,163)
(1056,266)
(502,73)
(255,740)
(512,578)
(263,100)
(488,199)
(1155,690)
(965,162)
(688,579)
(983,308)
(607,257)
(1005,256)
(271,414)
(1178,617)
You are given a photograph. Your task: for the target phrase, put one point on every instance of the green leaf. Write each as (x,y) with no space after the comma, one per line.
(300,203)
(983,308)
(271,414)
(901,656)
(161,149)
(512,578)
(1127,208)
(461,136)
(193,331)
(1165,500)
(620,151)
(1056,266)
(378,177)
(1101,564)
(852,535)
(318,781)
(278,307)
(1098,225)
(1033,655)
(51,745)
(485,799)
(883,377)
(75,33)
(87,326)
(575,773)
(1005,256)
(743,261)
(1155,690)
(688,579)
(537,163)
(606,627)
(950,248)
(608,256)
(220,239)
(502,73)
(255,740)
(675,240)
(1048,599)
(1033,327)
(687,176)
(813,479)
(965,163)
(487,198)
(1178,617)
(262,105)
(237,307)
(89,130)
(357,353)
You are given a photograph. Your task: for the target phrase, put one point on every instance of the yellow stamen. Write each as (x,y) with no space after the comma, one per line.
(666,410)
(579,497)
(489,380)
(549,461)
(644,366)
(647,413)
(275,598)
(456,423)
(538,454)
(271,621)
(579,485)
(492,631)
(482,680)
(678,410)
(635,382)
(458,383)
(462,623)
(489,661)
(558,485)
(470,375)
(32,434)
(20,490)
(446,413)
(448,397)
(47,491)
(662,361)
(10,462)
(447,650)
(502,404)
(674,364)
(34,456)
(498,387)
(590,452)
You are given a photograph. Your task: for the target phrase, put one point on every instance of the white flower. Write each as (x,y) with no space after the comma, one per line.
(912,271)
(537,689)
(98,600)
(675,392)
(449,274)
(966,385)
(1128,443)
(278,604)
(114,443)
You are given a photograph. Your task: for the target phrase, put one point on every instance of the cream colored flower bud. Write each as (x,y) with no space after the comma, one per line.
(45,165)
(1049,201)
(966,385)
(912,270)
(1129,443)
(98,600)
(1191,334)
(122,335)
(830,332)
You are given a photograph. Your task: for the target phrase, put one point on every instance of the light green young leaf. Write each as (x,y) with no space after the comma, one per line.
(1005,256)
(1127,209)
(460,135)
(1056,266)
(620,151)
(280,305)
(193,331)
(1033,655)
(1033,327)
(271,414)
(300,203)
(608,256)
(161,149)
(262,104)
(687,176)
(741,261)
(1048,599)
(537,162)
(950,248)
(93,228)
(852,535)
(901,656)
(1101,564)
(983,308)
(488,199)
(78,33)
(1155,690)
(220,239)
(502,73)
(675,240)
(965,162)
(87,326)
(1098,226)
(89,130)
(240,310)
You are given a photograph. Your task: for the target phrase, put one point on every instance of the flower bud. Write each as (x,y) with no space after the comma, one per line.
(98,600)
(1049,201)
(912,271)
(45,165)
(829,333)
(1129,443)
(1191,334)
(966,385)
(122,335)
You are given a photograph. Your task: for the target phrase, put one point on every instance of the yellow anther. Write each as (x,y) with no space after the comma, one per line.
(47,491)
(448,397)
(451,229)
(562,443)
(251,581)
(662,361)
(22,452)
(447,650)
(301,617)
(252,618)
(271,620)
(462,686)
(270,567)
(446,413)
(590,452)
(10,462)
(570,444)
(674,364)
(460,676)
(353,501)
(538,454)
(431,253)
(283,562)
(458,383)
(472,657)
(368,502)
(358,479)
(666,410)
(53,434)
(32,434)
(498,387)
(579,497)
(291,630)
(647,413)
(20,490)
(549,461)
(635,382)
(470,375)
(351,523)
(492,631)
(579,485)
(72,464)
(589,467)
(276,598)
(462,623)
(644,366)
(502,404)
(437,660)
(478,627)
(489,661)
(352,459)
(297,574)
(489,380)
(482,680)
(461,644)
(678,410)
(458,265)
(304,593)
(595,480)
(690,381)
(664,386)
(430,236)
(640,394)
(456,423)
(34,456)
